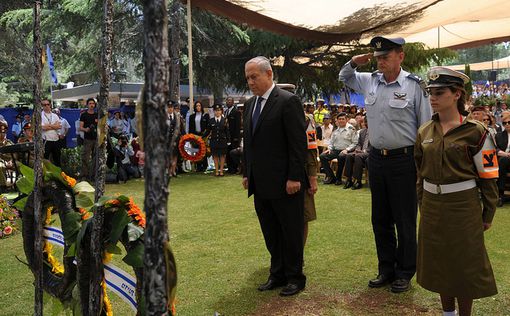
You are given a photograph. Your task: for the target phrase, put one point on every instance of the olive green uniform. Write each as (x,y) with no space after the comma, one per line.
(4,158)
(452,259)
(311,170)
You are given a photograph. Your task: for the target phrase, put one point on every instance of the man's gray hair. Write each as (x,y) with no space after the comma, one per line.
(262,62)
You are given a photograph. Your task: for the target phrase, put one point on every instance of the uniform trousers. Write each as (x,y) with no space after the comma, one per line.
(325,158)
(394,206)
(232,164)
(504,168)
(354,164)
(282,224)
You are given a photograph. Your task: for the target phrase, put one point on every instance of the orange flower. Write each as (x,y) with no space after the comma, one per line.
(70,181)
(85,216)
(135,212)
(113,202)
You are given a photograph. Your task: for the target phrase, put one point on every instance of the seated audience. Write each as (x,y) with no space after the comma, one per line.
(503,152)
(123,153)
(357,160)
(343,141)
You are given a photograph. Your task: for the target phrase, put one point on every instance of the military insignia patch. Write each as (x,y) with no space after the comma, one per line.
(400,96)
(433,75)
(378,45)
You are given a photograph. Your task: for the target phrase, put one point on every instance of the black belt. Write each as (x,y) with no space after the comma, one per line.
(392,152)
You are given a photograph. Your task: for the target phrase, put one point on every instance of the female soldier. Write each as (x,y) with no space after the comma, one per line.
(219,138)
(455,157)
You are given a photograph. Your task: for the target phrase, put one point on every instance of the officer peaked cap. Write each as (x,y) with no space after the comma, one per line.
(383,45)
(445,77)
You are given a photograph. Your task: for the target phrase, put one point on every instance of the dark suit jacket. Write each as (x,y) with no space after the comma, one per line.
(218,133)
(234,126)
(361,139)
(501,140)
(203,124)
(275,151)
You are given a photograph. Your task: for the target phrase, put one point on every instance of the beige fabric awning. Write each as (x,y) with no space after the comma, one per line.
(502,63)
(446,23)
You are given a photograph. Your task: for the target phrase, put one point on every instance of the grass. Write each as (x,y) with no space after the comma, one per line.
(221,258)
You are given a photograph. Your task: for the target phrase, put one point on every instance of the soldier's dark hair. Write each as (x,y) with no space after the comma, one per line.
(201,106)
(461,102)
(91,99)
(341,114)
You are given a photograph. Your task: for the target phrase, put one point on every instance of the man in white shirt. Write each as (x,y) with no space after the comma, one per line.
(64,129)
(51,124)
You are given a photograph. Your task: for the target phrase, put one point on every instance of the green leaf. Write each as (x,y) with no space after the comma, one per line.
(123,198)
(71,226)
(134,231)
(71,252)
(119,221)
(134,257)
(83,201)
(20,204)
(83,186)
(102,200)
(113,248)
(52,172)
(25,186)
(27,172)
(81,233)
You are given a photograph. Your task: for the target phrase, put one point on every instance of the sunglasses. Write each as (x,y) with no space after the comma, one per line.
(506,123)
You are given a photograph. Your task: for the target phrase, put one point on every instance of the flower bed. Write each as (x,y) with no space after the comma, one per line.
(9,218)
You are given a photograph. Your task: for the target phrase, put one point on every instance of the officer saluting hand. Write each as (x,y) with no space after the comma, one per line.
(397,104)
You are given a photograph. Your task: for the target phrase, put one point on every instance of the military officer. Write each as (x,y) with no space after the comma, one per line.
(456,161)
(343,140)
(396,104)
(5,159)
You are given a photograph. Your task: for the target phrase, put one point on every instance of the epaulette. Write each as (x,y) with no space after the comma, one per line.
(420,82)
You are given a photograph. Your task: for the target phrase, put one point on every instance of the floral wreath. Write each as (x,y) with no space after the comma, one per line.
(196,142)
(73,202)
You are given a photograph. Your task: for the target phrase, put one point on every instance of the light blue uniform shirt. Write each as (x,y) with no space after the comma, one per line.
(395,110)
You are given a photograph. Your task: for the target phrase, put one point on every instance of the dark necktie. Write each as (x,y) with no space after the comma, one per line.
(256,114)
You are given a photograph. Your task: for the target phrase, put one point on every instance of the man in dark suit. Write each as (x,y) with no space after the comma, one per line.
(274,159)
(234,127)
(503,151)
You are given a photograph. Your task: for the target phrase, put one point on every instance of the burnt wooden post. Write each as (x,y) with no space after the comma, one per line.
(97,246)
(39,149)
(157,159)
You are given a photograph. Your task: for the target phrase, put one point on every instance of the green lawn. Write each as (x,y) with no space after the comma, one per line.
(221,258)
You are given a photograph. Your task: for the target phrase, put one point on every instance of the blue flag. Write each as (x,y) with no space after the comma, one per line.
(51,65)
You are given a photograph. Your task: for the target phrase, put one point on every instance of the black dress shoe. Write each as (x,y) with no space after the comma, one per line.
(291,289)
(356,186)
(338,182)
(271,284)
(500,202)
(329,181)
(400,285)
(380,281)
(348,184)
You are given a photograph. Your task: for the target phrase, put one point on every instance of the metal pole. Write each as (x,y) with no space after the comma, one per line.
(190,57)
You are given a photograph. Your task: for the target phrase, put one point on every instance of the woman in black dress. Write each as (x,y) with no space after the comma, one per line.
(198,125)
(219,138)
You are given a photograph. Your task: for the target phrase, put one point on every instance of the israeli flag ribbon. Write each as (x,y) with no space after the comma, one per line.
(119,281)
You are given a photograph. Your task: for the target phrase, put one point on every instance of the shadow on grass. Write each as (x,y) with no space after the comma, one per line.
(246,297)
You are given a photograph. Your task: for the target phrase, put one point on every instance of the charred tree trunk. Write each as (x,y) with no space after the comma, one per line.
(156,144)
(175,49)
(38,240)
(97,246)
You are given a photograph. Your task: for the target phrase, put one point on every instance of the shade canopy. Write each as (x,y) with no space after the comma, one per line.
(447,23)
(502,63)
